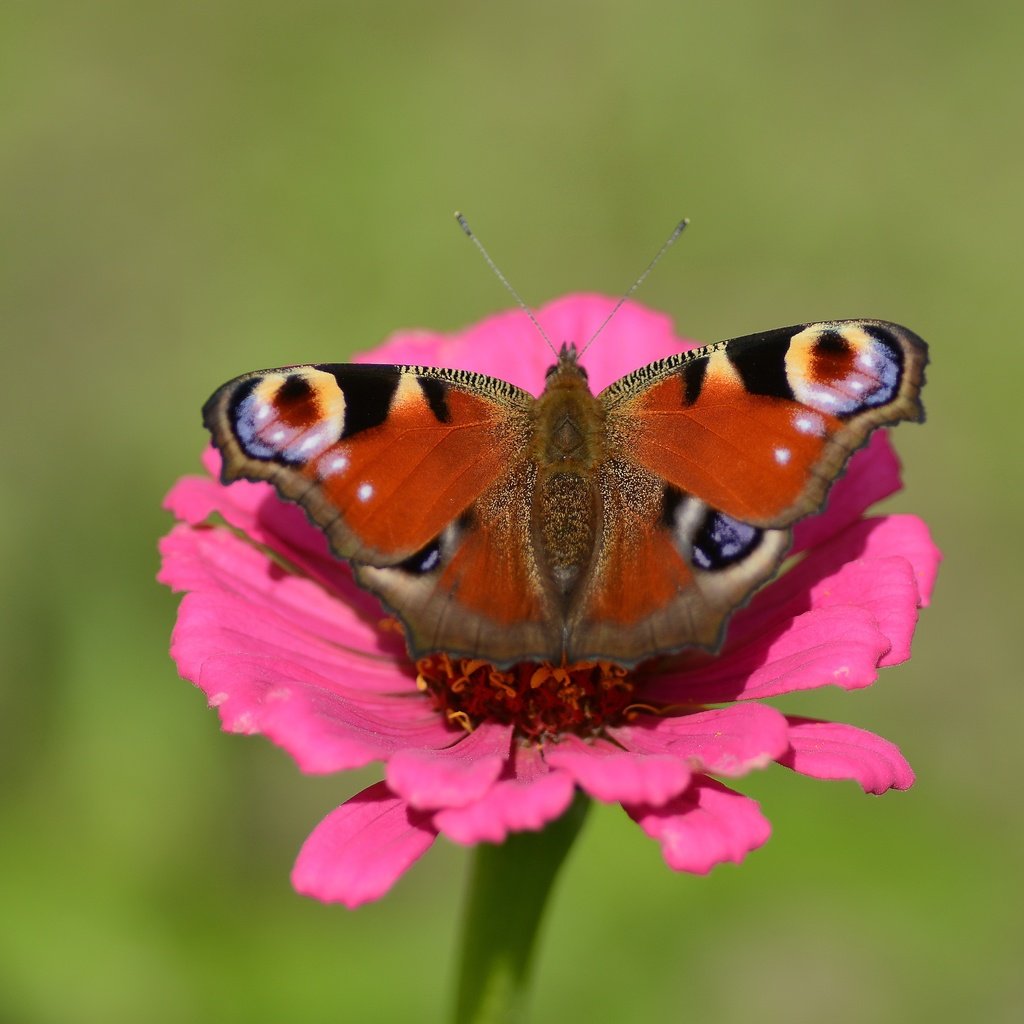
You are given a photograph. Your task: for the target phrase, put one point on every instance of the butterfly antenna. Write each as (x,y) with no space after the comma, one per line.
(504,280)
(639,281)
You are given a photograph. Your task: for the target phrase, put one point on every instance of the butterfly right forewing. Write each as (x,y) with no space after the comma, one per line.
(759,427)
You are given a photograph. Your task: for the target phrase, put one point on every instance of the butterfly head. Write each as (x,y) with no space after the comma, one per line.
(568,371)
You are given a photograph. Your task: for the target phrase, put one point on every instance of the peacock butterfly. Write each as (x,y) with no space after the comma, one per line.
(571,527)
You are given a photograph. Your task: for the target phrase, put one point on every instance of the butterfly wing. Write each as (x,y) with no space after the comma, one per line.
(419,476)
(759,427)
(714,454)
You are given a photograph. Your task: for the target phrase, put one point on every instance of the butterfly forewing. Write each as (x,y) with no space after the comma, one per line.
(758,427)
(382,458)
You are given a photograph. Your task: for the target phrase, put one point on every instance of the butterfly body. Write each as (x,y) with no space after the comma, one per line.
(571,527)
(569,449)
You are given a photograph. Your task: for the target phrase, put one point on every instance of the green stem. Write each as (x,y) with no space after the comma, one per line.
(508,891)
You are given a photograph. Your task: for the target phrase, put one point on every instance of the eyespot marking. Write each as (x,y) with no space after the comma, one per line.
(424,561)
(846,368)
(721,541)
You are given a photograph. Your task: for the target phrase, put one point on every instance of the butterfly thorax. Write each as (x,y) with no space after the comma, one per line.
(569,450)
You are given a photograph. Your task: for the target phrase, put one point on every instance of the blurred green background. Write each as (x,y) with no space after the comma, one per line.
(191,190)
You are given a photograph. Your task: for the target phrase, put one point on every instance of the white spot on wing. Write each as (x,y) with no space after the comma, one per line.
(335,464)
(318,439)
(809,423)
(365,492)
(278,436)
(782,456)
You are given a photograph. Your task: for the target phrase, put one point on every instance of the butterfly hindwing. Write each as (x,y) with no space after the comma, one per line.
(485,593)
(670,570)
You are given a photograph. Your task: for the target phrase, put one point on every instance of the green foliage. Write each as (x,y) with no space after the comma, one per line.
(194,190)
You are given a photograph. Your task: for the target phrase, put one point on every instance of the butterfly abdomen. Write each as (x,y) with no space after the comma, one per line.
(565,526)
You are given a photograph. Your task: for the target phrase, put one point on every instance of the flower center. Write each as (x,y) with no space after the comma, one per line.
(539,699)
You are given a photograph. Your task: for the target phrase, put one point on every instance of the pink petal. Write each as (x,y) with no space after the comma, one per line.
(727,741)
(216,561)
(254,644)
(505,345)
(452,776)
(361,848)
(327,733)
(831,750)
(614,775)
(841,646)
(296,708)
(863,566)
(846,608)
(885,565)
(529,796)
(906,536)
(871,475)
(706,825)
(508,346)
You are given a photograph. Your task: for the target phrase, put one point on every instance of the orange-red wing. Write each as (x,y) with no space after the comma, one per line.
(638,568)
(383,458)
(479,590)
(759,427)
(668,571)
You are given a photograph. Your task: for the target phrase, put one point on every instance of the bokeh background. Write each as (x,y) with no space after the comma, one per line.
(191,190)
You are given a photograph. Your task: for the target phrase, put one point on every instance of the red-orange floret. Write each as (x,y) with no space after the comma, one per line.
(539,699)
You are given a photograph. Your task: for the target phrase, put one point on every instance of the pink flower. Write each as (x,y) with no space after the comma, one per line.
(274,631)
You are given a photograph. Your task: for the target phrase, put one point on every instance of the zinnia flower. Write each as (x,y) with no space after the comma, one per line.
(274,631)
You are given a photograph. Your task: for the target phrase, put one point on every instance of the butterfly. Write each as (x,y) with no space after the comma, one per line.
(572,527)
